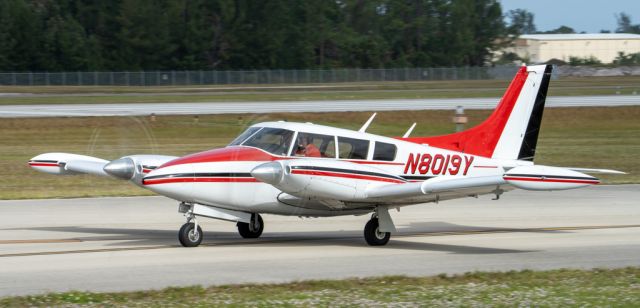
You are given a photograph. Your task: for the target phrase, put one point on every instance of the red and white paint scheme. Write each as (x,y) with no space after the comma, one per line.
(310,170)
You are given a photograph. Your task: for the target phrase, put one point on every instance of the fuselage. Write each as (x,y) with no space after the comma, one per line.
(222,178)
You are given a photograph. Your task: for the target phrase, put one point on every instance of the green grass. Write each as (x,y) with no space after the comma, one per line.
(302,92)
(557,288)
(577,137)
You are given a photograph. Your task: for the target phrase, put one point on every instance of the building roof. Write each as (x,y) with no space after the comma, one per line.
(581,36)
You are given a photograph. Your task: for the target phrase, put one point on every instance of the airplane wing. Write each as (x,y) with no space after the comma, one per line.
(439,188)
(357,184)
(131,167)
(589,170)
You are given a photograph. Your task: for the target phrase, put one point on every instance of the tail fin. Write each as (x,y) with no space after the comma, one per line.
(511,131)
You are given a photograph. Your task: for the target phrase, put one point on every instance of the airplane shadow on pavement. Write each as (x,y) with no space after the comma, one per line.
(128,237)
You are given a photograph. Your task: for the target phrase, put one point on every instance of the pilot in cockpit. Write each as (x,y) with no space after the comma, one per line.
(306,147)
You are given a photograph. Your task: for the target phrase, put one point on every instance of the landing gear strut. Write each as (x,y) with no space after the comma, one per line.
(253,229)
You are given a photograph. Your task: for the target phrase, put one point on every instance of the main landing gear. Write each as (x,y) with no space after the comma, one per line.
(377,231)
(373,235)
(253,229)
(191,235)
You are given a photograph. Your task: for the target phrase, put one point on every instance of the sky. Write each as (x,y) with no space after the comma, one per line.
(590,16)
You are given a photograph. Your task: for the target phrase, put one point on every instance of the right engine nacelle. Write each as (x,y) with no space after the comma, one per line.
(323,178)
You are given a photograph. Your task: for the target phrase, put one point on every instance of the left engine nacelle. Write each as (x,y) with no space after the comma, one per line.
(323,179)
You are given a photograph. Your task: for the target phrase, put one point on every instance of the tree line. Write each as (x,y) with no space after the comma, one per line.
(93,35)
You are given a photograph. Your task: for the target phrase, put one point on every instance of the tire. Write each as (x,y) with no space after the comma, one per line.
(373,236)
(189,238)
(246,231)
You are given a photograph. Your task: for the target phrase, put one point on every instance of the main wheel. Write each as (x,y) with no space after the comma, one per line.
(252,229)
(189,236)
(372,234)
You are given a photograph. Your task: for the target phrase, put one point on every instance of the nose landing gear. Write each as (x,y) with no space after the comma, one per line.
(190,234)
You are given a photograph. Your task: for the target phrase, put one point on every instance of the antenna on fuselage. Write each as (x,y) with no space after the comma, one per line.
(409,130)
(366,124)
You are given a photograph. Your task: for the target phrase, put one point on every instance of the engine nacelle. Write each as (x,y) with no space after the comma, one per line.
(134,167)
(323,179)
(547,178)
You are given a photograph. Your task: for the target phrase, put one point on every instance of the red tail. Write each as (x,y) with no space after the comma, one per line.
(482,139)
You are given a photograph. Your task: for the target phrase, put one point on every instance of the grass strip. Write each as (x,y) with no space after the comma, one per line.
(556,288)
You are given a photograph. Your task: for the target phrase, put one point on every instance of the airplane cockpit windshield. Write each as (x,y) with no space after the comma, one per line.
(273,140)
(246,134)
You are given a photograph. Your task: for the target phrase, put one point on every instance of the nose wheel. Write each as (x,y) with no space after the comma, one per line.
(190,234)
(253,229)
(373,235)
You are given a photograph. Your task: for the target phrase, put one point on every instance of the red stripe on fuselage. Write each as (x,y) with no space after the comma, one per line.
(554,180)
(345,175)
(199,180)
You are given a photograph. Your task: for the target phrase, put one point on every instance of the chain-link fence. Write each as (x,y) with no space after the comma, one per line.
(181,78)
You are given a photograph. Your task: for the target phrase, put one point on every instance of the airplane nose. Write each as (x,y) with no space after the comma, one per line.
(123,168)
(270,173)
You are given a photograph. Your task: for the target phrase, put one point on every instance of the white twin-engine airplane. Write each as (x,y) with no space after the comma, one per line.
(310,170)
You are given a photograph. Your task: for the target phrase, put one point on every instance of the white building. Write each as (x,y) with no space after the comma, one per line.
(539,48)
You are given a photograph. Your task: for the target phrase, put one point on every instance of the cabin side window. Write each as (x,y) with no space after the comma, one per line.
(384,151)
(314,145)
(351,148)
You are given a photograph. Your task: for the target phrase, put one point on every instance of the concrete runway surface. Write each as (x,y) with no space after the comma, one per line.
(115,244)
(83,110)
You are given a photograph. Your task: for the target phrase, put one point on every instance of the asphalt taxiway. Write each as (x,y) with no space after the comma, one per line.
(115,244)
(137,109)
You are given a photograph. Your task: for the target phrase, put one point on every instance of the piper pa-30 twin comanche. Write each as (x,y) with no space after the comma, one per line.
(310,170)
